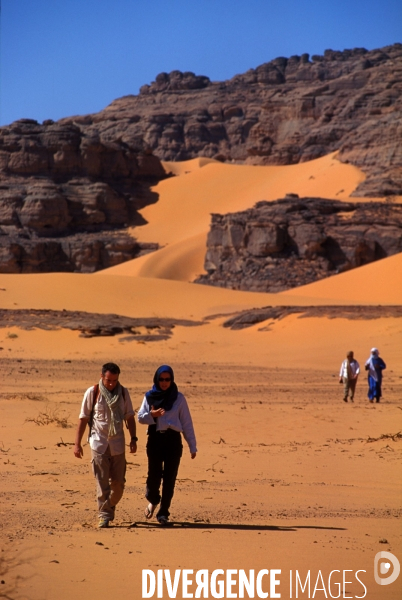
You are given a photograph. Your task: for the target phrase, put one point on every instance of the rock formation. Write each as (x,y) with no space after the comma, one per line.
(82,252)
(248,318)
(92,173)
(95,324)
(286,111)
(56,182)
(294,241)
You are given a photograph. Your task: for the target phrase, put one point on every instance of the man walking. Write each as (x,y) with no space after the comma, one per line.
(348,375)
(375,366)
(105,407)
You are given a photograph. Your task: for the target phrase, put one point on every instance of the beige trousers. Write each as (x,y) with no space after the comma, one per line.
(109,472)
(349,385)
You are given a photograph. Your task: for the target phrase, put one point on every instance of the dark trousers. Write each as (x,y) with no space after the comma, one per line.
(164,451)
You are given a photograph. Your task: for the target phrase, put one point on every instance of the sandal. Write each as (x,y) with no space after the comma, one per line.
(149,511)
(164,521)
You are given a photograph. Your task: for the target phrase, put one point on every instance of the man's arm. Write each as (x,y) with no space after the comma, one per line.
(78,451)
(132,430)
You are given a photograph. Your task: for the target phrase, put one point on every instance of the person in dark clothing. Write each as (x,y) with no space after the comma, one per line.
(165,410)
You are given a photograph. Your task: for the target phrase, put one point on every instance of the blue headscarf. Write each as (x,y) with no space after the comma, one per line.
(159,398)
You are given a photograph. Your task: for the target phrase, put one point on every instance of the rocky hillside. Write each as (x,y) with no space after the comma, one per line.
(66,196)
(286,111)
(69,189)
(279,245)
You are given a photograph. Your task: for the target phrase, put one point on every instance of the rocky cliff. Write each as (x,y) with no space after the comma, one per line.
(286,111)
(294,241)
(66,196)
(69,189)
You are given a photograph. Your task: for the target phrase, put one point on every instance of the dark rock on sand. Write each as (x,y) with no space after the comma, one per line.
(294,241)
(94,324)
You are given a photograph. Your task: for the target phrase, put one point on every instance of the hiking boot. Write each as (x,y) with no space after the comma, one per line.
(103,522)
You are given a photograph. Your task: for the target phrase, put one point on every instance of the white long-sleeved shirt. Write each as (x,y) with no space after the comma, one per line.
(354,367)
(100,440)
(177,418)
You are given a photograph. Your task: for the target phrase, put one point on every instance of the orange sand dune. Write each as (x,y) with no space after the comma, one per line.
(293,340)
(287,476)
(181,217)
(131,296)
(180,261)
(377,283)
(184,206)
(186,166)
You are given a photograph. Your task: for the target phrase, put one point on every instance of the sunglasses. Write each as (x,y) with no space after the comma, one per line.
(164,379)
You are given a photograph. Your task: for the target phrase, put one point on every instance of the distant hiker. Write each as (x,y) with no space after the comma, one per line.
(165,410)
(375,366)
(104,408)
(348,375)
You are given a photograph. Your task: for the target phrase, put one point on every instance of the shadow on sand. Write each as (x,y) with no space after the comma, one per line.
(226,526)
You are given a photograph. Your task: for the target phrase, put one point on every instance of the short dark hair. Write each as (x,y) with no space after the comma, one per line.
(112,367)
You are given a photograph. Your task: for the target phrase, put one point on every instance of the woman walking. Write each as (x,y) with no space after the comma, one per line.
(165,410)
(375,366)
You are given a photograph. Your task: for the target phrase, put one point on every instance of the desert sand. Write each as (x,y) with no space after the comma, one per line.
(287,475)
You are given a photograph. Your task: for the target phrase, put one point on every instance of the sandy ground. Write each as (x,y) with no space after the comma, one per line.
(287,475)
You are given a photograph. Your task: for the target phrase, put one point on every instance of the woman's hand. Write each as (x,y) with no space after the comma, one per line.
(157,413)
(193,454)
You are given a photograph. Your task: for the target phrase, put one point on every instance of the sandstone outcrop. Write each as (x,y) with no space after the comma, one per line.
(82,252)
(57,182)
(294,241)
(92,173)
(286,111)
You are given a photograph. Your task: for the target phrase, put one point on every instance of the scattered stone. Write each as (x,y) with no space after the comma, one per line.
(93,324)
(248,318)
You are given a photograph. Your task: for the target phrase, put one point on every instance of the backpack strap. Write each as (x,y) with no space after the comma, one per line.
(123,389)
(94,400)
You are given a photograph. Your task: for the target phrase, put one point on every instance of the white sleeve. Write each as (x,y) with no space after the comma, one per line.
(357,368)
(144,416)
(187,425)
(87,403)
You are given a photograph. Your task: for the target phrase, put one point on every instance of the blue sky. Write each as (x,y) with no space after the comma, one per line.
(66,57)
